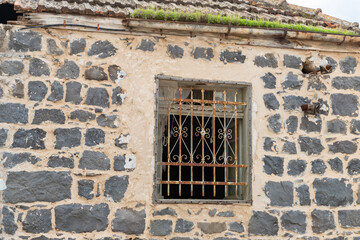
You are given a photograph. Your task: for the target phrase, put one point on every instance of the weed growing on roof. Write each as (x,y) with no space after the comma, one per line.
(200,17)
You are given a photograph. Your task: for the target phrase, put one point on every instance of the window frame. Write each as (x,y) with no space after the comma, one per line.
(156,198)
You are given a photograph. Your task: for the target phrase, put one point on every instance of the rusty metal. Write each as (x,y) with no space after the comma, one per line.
(180,140)
(202,142)
(311,109)
(204,183)
(207,101)
(203,164)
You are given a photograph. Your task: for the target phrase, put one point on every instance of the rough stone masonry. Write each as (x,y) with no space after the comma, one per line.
(70,123)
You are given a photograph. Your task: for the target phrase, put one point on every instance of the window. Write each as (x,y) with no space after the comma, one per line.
(203,141)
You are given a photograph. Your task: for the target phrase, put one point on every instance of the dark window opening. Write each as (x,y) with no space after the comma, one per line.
(7,13)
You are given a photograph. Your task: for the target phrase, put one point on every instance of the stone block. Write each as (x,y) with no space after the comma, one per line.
(102,49)
(94,136)
(58,161)
(11,68)
(346,147)
(212,227)
(336,126)
(97,97)
(294,221)
(8,220)
(322,221)
(164,212)
(183,226)
(263,224)
(77,46)
(296,167)
(67,137)
(49,115)
(344,104)
(175,51)
(336,165)
(86,189)
(52,48)
(203,53)
(94,161)
(318,166)
(269,80)
(292,124)
(236,227)
(32,138)
(25,41)
(291,61)
(13,159)
(17,89)
(96,73)
(37,221)
(146,45)
(292,82)
(270,145)
(310,145)
(348,65)
(332,192)
(118,96)
(346,83)
(349,218)
(304,195)
(37,90)
(274,123)
(273,165)
(129,221)
(57,92)
(73,92)
(3,136)
(310,125)
(271,102)
(69,70)
(82,116)
(107,121)
(354,167)
(355,127)
(268,60)
(38,68)
(115,187)
(227,56)
(280,193)
(289,147)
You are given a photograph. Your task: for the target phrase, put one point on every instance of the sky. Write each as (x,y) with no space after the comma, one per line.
(345,9)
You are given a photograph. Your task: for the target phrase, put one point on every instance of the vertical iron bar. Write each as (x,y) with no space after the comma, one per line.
(225,138)
(236,148)
(214,140)
(202,142)
(191,142)
(180,139)
(168,167)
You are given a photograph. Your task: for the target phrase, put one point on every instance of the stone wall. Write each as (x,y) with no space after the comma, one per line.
(77,117)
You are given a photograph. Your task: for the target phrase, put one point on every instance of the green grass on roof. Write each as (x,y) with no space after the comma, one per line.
(200,17)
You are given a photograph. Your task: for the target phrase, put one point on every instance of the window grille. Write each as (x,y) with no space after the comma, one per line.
(202,141)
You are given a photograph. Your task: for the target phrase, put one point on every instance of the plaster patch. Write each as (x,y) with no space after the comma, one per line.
(130,162)
(2,185)
(120,76)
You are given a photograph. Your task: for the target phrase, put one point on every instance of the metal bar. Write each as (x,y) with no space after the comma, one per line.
(214,141)
(204,183)
(202,164)
(225,136)
(205,101)
(168,168)
(191,143)
(236,147)
(180,139)
(202,142)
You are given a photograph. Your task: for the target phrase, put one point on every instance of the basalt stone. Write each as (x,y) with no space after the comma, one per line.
(269,80)
(86,189)
(13,159)
(70,70)
(183,226)
(166,211)
(38,68)
(32,138)
(94,136)
(322,221)
(292,61)
(129,221)
(310,145)
(336,126)
(37,221)
(1,92)
(294,221)
(52,48)
(226,214)
(49,115)
(236,227)
(118,96)
(102,49)
(18,89)
(212,227)
(80,218)
(349,218)
(40,186)
(57,92)
(332,192)
(67,137)
(268,60)
(146,45)
(292,82)
(348,65)
(263,224)
(77,46)
(355,127)
(56,161)
(270,145)
(97,97)
(160,227)
(114,72)
(296,167)
(354,167)
(273,165)
(115,187)
(336,165)
(42,237)
(94,161)
(122,141)
(344,104)
(73,92)
(274,123)
(82,116)
(107,121)
(318,166)
(294,102)
(212,212)
(10,68)
(13,113)
(315,82)
(292,124)
(183,238)
(332,63)
(22,41)
(271,102)
(280,193)
(37,90)
(175,51)
(96,73)
(303,194)
(119,163)
(8,220)
(289,147)
(3,136)
(323,107)
(346,147)
(310,125)
(227,56)
(346,83)
(204,53)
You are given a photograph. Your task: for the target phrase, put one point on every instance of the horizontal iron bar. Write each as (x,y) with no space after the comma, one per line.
(206,101)
(201,164)
(203,183)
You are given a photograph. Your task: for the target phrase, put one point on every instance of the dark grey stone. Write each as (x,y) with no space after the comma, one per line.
(344,104)
(86,189)
(146,45)
(332,63)
(355,127)
(52,48)
(114,71)
(348,65)
(18,89)
(42,237)
(94,161)
(37,221)
(346,83)
(56,161)
(354,167)
(175,51)
(212,227)
(3,136)
(296,167)
(122,141)
(2,36)
(227,56)
(274,123)
(323,107)
(349,218)
(70,70)
(102,49)
(280,193)
(332,192)
(51,115)
(294,102)
(77,46)
(236,227)
(271,102)
(97,97)
(292,61)
(164,212)
(38,68)
(270,145)
(226,214)
(315,82)
(57,92)
(8,220)
(129,221)
(304,195)
(292,82)
(336,165)
(318,166)
(67,137)
(336,126)
(73,92)
(183,226)
(80,218)
(263,224)
(115,187)
(322,221)
(96,73)
(310,145)
(107,120)
(37,90)
(212,212)
(294,221)
(346,147)
(31,138)
(268,60)
(25,41)
(118,96)
(40,186)
(204,53)
(310,126)
(119,163)
(13,159)
(273,165)
(269,80)
(10,68)
(289,147)
(82,116)
(94,136)
(292,124)
(160,227)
